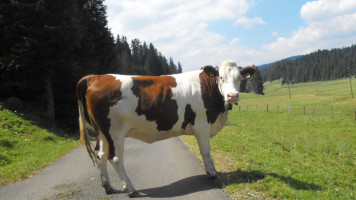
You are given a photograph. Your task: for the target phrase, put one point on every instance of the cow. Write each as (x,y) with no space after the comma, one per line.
(154,108)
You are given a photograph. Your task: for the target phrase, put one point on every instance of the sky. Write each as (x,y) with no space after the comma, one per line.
(250,32)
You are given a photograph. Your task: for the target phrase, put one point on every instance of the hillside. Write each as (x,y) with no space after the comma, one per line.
(28,143)
(321,65)
(289,155)
(261,67)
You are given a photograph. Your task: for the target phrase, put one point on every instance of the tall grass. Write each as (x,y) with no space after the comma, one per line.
(264,155)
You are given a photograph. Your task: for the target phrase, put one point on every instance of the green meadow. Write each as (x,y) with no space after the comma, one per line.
(27,144)
(298,154)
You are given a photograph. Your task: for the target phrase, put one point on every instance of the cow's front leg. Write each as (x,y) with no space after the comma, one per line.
(204,147)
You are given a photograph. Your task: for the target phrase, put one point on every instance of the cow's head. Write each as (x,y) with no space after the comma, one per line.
(229,80)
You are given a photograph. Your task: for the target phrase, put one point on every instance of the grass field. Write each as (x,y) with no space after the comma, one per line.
(26,146)
(276,155)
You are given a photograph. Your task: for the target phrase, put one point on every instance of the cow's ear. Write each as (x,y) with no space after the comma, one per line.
(211,71)
(248,71)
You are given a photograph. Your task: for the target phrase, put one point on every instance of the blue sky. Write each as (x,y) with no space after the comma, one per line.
(202,32)
(281,17)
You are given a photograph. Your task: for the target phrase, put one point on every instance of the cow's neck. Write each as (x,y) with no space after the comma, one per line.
(213,100)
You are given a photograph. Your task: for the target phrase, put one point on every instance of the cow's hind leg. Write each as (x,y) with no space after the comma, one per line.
(102,155)
(118,163)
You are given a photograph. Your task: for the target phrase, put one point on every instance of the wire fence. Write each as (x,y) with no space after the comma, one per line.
(299,109)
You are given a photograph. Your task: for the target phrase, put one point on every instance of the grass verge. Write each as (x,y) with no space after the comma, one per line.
(26,147)
(276,155)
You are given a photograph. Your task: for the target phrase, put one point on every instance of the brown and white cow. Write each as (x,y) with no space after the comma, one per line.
(153,108)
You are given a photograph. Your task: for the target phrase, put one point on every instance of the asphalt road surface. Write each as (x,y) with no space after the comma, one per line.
(162,170)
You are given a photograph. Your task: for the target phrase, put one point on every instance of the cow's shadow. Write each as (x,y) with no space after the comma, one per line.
(240,176)
(202,182)
(182,187)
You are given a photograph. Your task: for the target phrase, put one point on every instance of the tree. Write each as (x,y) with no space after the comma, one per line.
(179,68)
(257,83)
(172,66)
(152,64)
(40,37)
(243,86)
(97,50)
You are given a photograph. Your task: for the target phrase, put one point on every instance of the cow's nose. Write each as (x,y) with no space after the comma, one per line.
(233,97)
(233,94)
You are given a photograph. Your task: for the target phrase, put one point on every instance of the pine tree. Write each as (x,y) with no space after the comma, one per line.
(243,86)
(257,78)
(179,68)
(172,66)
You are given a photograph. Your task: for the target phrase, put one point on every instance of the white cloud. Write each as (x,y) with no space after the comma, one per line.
(327,9)
(275,34)
(330,24)
(248,22)
(177,28)
(235,41)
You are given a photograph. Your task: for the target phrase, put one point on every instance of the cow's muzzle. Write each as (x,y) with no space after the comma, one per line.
(232,98)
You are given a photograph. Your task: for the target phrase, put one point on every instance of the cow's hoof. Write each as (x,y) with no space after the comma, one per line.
(212,177)
(112,191)
(134,194)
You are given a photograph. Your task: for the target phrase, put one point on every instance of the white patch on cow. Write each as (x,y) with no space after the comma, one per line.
(188,91)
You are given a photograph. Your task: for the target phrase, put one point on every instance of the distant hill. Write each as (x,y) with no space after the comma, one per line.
(320,65)
(261,67)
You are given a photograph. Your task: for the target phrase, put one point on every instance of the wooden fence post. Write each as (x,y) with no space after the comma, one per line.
(314,111)
(277,108)
(332,112)
(267,108)
(288,109)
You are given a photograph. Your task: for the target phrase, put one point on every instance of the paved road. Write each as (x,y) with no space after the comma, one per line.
(162,170)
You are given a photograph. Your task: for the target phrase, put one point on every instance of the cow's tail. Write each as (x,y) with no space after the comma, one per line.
(83,123)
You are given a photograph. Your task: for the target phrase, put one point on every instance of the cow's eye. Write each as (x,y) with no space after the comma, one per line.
(221,78)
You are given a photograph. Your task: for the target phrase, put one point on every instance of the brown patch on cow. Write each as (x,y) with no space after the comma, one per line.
(189,116)
(155,100)
(102,93)
(212,98)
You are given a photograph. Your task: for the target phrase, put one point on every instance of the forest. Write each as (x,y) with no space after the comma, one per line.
(46,46)
(321,65)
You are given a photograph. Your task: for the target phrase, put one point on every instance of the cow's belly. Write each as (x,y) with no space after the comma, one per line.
(146,131)
(149,137)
